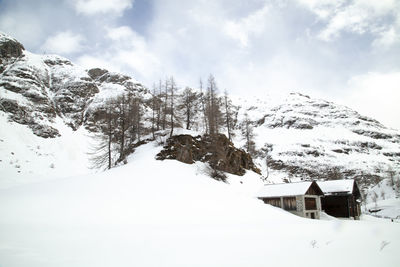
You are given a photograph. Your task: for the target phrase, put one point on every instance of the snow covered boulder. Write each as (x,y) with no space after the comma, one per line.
(219,152)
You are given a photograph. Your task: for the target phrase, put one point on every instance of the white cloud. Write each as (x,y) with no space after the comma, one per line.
(244,28)
(376,95)
(251,46)
(359,17)
(23,25)
(64,43)
(132,50)
(127,52)
(120,33)
(89,62)
(387,38)
(94,7)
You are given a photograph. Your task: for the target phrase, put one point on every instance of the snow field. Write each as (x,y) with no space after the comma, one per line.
(166,213)
(27,158)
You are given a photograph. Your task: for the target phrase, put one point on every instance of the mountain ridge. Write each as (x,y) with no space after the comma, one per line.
(295,139)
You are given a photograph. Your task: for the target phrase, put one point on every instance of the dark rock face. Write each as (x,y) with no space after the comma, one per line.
(372,134)
(72,98)
(56,61)
(10,48)
(219,152)
(96,73)
(44,131)
(27,115)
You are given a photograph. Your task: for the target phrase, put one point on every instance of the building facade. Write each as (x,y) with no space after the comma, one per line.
(341,199)
(302,198)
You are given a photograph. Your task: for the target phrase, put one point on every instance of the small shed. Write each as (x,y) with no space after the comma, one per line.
(302,198)
(341,198)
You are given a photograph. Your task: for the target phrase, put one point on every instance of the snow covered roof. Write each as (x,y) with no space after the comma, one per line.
(336,186)
(288,189)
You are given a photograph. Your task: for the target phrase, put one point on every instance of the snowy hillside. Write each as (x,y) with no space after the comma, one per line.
(383,200)
(27,158)
(147,213)
(56,211)
(37,89)
(307,138)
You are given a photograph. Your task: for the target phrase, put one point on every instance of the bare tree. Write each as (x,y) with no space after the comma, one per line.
(102,153)
(135,114)
(156,111)
(247,131)
(159,106)
(391,174)
(165,105)
(203,103)
(122,118)
(172,89)
(397,187)
(364,196)
(374,198)
(334,173)
(189,104)
(214,114)
(153,111)
(228,114)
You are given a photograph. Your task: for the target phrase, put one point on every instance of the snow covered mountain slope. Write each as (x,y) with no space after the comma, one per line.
(296,138)
(28,158)
(36,89)
(44,101)
(304,138)
(146,213)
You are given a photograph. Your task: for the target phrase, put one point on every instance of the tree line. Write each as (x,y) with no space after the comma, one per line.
(123,121)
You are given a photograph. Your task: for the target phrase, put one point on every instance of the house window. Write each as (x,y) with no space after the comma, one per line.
(289,203)
(311,203)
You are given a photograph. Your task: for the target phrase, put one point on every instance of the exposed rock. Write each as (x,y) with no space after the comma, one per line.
(48,86)
(372,134)
(219,152)
(72,99)
(54,60)
(9,47)
(96,73)
(44,131)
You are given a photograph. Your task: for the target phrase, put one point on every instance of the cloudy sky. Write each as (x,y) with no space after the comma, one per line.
(343,51)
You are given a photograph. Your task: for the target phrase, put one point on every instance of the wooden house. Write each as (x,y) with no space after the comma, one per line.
(341,198)
(302,198)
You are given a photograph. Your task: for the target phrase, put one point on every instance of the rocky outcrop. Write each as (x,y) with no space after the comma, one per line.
(9,47)
(27,116)
(219,152)
(35,89)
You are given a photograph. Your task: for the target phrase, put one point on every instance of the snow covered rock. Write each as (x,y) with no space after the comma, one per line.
(219,152)
(9,47)
(35,89)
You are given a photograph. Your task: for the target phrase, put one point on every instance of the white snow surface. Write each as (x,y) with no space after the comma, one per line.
(387,203)
(26,158)
(329,187)
(167,213)
(287,189)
